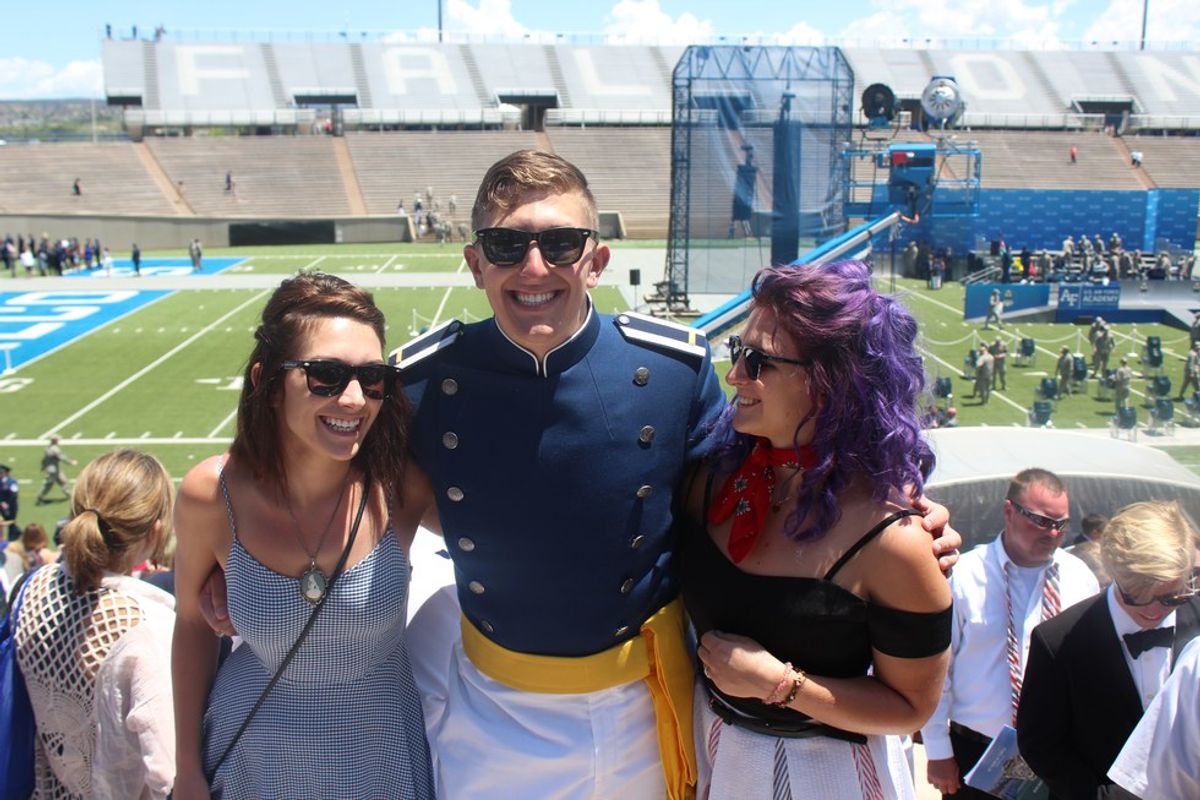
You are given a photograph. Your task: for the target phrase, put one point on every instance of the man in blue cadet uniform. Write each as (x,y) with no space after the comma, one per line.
(554,437)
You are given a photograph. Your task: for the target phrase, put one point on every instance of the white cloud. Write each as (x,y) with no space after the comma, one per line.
(1168,21)
(1028,21)
(644,21)
(491,19)
(26,79)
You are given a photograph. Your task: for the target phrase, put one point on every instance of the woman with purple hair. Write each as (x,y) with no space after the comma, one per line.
(822,616)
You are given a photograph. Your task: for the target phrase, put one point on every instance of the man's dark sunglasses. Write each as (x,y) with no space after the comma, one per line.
(756,358)
(1040,520)
(560,247)
(1173,600)
(330,378)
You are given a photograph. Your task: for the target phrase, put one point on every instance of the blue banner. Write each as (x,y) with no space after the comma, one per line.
(1085,298)
(1016,297)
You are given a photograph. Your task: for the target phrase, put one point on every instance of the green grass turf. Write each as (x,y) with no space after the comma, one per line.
(166,378)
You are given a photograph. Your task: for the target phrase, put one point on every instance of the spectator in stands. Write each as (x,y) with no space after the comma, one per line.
(92,641)
(400,210)
(1135,158)
(228,180)
(30,551)
(452,205)
(77,188)
(1191,371)
(1092,670)
(1002,590)
(1065,370)
(1074,153)
(1086,546)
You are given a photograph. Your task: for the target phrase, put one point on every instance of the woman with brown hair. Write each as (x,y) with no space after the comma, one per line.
(310,515)
(91,640)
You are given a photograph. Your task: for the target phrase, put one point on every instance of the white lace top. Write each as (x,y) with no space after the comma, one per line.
(98,670)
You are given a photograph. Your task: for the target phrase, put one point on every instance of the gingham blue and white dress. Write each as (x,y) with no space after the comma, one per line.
(345,719)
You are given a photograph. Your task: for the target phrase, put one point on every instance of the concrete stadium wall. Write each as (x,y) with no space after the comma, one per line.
(171,232)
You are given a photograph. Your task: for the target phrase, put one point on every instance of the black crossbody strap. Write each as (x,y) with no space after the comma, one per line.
(312,618)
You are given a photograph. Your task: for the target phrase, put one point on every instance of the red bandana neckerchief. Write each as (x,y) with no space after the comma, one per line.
(746,494)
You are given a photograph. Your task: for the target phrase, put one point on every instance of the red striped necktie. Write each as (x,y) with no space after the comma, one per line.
(1051,605)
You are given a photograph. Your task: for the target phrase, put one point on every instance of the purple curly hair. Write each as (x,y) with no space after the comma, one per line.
(868,377)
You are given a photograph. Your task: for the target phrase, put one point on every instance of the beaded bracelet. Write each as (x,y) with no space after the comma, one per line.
(798,681)
(781,687)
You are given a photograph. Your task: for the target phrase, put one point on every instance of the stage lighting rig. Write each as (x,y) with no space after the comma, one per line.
(879,105)
(942,101)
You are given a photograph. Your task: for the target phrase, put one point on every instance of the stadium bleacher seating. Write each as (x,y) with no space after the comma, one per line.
(395,166)
(38,177)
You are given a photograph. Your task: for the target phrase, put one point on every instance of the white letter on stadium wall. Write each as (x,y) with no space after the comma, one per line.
(591,78)
(435,67)
(1009,87)
(190,73)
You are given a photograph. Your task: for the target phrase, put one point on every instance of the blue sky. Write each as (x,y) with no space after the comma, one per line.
(52,48)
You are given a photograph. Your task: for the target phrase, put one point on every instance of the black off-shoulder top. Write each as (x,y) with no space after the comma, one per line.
(814,623)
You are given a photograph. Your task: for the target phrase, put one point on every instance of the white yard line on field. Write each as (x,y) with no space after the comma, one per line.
(224,422)
(387,263)
(442,305)
(158,361)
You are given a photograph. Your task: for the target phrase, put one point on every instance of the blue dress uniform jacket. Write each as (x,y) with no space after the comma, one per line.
(554,480)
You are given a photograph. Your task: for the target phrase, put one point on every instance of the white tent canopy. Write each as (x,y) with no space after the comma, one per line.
(975,465)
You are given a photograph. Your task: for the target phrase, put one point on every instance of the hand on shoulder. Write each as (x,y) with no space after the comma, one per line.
(902,572)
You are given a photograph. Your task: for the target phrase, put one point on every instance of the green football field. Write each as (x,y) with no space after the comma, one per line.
(166,377)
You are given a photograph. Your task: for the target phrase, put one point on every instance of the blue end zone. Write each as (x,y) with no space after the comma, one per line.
(33,324)
(123,267)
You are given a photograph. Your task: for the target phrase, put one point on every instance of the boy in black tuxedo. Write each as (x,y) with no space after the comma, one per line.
(1093,669)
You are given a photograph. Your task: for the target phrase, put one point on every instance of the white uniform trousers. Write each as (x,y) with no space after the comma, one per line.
(489,740)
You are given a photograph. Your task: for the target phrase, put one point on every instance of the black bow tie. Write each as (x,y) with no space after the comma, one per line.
(1142,641)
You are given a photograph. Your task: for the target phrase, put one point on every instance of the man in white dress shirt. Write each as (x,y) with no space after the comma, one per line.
(1161,760)
(1001,591)
(1094,668)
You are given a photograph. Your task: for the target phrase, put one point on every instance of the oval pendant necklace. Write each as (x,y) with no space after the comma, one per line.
(314,582)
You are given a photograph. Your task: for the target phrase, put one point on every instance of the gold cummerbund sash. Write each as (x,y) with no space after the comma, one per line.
(659,657)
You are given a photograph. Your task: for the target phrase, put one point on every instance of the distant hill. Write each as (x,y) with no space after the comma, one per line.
(42,119)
